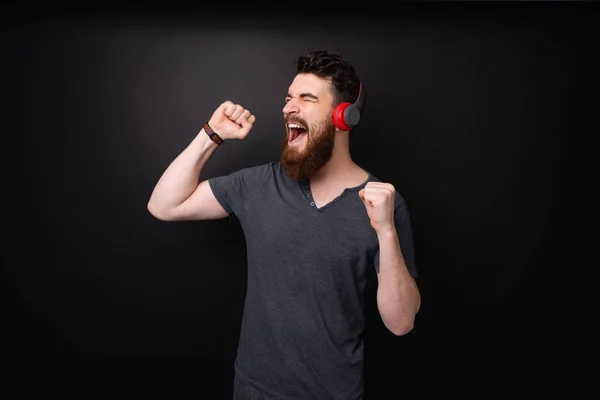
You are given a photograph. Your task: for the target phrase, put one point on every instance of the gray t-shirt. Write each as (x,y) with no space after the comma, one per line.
(301,332)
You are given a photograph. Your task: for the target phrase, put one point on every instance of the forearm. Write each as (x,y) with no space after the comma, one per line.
(398,297)
(181,177)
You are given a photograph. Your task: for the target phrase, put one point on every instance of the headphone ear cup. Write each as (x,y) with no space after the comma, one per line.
(351,116)
(339,119)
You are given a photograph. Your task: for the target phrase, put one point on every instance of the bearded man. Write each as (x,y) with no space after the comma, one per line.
(315,224)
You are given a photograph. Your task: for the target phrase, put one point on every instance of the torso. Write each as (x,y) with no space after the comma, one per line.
(307,268)
(310,250)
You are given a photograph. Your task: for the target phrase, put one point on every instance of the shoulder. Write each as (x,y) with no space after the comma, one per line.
(267,167)
(257,171)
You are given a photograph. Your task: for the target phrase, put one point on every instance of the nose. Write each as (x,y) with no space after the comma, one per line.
(290,107)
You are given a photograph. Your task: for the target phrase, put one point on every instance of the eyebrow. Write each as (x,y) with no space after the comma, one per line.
(303,95)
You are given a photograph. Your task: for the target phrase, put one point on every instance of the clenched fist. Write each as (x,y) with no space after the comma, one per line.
(232,121)
(378,198)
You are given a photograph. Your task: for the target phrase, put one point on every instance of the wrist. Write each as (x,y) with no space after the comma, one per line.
(387,232)
(212,134)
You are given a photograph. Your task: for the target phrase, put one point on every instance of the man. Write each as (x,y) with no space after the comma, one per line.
(315,224)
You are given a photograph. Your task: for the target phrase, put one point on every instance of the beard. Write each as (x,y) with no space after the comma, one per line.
(302,164)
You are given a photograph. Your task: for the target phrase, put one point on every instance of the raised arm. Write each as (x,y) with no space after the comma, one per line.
(179,194)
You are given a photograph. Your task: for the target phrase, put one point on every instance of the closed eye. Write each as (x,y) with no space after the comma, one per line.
(304,96)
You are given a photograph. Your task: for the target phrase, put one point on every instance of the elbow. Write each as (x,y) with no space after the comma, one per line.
(400,324)
(157,213)
(402,329)
(404,325)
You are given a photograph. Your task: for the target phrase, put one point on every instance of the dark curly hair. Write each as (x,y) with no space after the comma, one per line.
(332,65)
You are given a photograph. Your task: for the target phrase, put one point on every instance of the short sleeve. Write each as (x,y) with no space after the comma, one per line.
(232,190)
(405,236)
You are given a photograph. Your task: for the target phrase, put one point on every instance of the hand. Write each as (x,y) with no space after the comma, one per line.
(378,198)
(232,121)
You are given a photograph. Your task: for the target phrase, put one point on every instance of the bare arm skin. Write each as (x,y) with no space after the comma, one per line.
(398,297)
(179,194)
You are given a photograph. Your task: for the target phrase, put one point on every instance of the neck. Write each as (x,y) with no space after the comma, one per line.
(340,166)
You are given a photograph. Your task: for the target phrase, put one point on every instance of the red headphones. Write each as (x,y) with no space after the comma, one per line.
(346,115)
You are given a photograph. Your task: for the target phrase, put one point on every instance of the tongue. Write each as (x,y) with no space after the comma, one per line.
(297,134)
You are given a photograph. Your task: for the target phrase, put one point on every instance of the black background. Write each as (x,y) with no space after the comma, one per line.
(475,113)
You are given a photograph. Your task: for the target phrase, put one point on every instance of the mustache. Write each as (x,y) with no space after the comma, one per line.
(295,120)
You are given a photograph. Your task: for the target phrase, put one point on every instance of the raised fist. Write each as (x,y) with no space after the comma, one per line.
(231,121)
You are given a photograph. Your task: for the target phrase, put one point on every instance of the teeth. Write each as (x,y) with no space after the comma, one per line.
(296,126)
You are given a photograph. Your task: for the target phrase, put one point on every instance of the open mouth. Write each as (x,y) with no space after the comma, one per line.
(297,133)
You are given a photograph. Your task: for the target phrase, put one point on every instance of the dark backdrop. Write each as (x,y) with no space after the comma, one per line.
(473,114)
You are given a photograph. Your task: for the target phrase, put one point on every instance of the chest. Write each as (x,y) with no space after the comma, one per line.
(296,231)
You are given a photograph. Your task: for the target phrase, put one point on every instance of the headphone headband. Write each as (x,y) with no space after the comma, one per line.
(360,101)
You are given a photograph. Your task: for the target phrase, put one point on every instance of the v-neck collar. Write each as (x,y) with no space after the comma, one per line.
(306,191)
